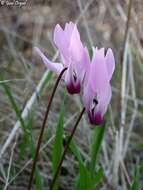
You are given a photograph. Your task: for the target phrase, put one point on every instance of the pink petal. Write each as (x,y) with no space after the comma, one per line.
(98,71)
(96,116)
(60,40)
(76,47)
(85,65)
(104,100)
(68,75)
(110,63)
(97,87)
(69,29)
(82,68)
(88,95)
(55,67)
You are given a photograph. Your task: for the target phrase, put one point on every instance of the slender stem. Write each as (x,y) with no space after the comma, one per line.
(66,149)
(42,129)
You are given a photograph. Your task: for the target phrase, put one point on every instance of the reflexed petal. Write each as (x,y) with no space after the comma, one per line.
(76,47)
(58,36)
(110,63)
(56,67)
(69,29)
(98,71)
(60,40)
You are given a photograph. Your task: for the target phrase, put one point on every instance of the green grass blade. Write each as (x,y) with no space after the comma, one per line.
(32,148)
(39,181)
(45,84)
(58,144)
(98,176)
(84,180)
(13,103)
(136,181)
(96,145)
(18,114)
(75,151)
(22,147)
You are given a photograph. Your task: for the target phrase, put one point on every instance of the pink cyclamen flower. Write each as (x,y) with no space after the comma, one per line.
(74,56)
(97,88)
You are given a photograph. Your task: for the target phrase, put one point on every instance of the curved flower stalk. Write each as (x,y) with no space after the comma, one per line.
(74,56)
(97,89)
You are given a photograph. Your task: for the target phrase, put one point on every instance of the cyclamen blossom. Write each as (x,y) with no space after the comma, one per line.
(94,76)
(74,56)
(97,88)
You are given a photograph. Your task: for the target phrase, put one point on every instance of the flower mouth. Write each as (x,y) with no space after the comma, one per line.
(94,104)
(95,119)
(74,88)
(74,76)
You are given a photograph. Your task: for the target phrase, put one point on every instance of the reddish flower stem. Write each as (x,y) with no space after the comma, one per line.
(42,129)
(66,149)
